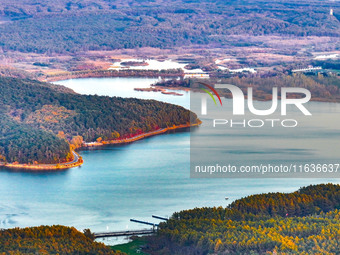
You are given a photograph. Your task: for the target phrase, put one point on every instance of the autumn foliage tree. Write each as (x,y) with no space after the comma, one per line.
(303,222)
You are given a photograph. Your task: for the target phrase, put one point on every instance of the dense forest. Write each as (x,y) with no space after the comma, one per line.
(303,222)
(50,240)
(69,26)
(39,119)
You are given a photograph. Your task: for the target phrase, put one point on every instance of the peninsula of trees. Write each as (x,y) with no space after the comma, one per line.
(43,123)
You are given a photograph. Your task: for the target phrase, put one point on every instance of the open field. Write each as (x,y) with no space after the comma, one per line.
(275,53)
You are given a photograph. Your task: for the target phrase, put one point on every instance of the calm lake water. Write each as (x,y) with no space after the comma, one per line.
(117,183)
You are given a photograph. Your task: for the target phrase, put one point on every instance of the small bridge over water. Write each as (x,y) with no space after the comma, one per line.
(133,232)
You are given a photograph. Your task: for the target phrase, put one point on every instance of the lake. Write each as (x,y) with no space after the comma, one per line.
(117,183)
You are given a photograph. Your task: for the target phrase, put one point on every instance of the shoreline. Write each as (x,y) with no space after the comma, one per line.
(104,73)
(78,161)
(141,136)
(161,90)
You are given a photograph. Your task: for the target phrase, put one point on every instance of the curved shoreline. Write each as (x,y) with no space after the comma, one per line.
(78,161)
(141,136)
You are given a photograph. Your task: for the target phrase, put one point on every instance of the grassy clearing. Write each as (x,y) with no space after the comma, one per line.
(131,248)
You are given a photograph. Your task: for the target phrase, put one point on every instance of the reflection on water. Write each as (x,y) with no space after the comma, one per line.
(124,87)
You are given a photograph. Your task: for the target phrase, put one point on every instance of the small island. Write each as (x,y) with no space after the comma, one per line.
(134,63)
(155,89)
(149,89)
(172,93)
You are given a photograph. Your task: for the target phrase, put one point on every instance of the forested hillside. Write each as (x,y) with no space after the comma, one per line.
(39,119)
(50,240)
(303,222)
(70,26)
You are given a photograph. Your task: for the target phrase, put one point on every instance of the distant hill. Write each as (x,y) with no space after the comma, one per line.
(70,26)
(40,120)
(303,222)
